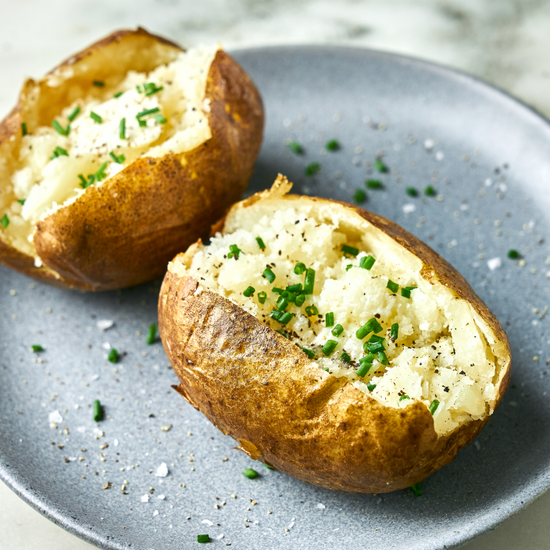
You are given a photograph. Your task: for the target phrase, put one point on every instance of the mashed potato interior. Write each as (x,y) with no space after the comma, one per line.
(440,355)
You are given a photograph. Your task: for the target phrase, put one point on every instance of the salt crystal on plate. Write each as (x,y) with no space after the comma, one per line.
(494,263)
(145,498)
(439,155)
(81,429)
(162,470)
(207,522)
(155,513)
(105,324)
(55,417)
(408,208)
(220,536)
(321,506)
(162,497)
(115,442)
(106,345)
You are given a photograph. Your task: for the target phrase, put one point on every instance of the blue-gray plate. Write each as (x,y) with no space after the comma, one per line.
(487,158)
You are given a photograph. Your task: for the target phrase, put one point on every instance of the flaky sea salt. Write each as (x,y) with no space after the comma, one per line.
(162,470)
(494,263)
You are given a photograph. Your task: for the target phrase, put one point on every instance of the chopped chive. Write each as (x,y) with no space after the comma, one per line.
(311,310)
(371,387)
(394,287)
(367,262)
(285,317)
(394,331)
(151,88)
(406,292)
(349,250)
(295,288)
(372,325)
(308,352)
(433,406)
(85,184)
(24,130)
(282,303)
(381,356)
(282,333)
(359,196)
(96,117)
(36,348)
(309,281)
(262,296)
(277,290)
(268,274)
(345,357)
(261,243)
(5,221)
(374,344)
(21,201)
(513,254)
(122,128)
(100,174)
(118,94)
(74,114)
(332,145)
(234,252)
(159,117)
(268,466)
(348,267)
(329,347)
(118,159)
(113,356)
(374,184)
(151,334)
(429,191)
(312,169)
(412,192)
(299,268)
(337,330)
(204,538)
(97,411)
(249,291)
(416,489)
(59,129)
(404,397)
(300,299)
(58,152)
(380,166)
(295,147)
(250,473)
(147,112)
(365,365)
(139,90)
(98,83)
(329,319)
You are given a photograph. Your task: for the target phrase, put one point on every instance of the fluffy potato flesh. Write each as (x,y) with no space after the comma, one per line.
(100,132)
(389,328)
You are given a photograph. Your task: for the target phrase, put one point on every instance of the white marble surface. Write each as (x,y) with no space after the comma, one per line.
(506,42)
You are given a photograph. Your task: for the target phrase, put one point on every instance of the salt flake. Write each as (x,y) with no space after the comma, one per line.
(321,506)
(145,498)
(207,522)
(105,324)
(162,470)
(409,208)
(494,263)
(155,513)
(55,417)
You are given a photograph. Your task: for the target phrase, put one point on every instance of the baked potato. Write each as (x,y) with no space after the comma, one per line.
(120,155)
(331,344)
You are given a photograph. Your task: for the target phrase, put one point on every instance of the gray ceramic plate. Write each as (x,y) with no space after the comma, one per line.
(488,159)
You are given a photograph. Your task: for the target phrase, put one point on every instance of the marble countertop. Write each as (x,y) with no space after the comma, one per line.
(506,43)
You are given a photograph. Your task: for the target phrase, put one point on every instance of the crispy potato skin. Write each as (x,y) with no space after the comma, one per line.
(261,389)
(124,231)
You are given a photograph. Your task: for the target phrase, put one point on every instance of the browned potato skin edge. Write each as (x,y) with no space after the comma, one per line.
(261,389)
(162,204)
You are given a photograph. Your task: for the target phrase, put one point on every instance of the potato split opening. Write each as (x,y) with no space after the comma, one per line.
(424,344)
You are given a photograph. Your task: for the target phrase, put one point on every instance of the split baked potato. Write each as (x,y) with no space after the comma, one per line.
(331,344)
(120,155)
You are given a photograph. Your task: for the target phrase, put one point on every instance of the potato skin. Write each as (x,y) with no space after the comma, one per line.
(260,388)
(124,231)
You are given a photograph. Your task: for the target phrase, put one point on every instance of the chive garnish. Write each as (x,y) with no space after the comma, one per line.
(312,169)
(365,365)
(285,317)
(5,221)
(309,281)
(367,262)
(394,331)
(311,310)
(250,473)
(332,145)
(374,344)
(98,83)
(299,268)
(113,356)
(118,159)
(359,196)
(147,112)
(433,406)
(261,243)
(345,357)
(381,356)
(122,129)
(249,291)
(118,94)
(58,152)
(205,538)
(36,348)
(59,129)
(282,333)
(337,330)
(151,88)
(380,166)
(372,325)
(262,296)
(275,314)
(416,489)
(24,131)
(295,288)
(329,347)
(268,466)
(348,267)
(234,252)
(282,303)
(513,254)
(394,287)
(96,117)
(21,201)
(374,184)
(429,191)
(412,192)
(406,292)
(159,117)
(300,299)
(295,147)
(151,334)
(268,274)
(308,352)
(404,397)
(83,183)
(329,319)
(139,90)
(74,114)
(349,250)
(277,290)
(97,411)
(100,174)
(371,387)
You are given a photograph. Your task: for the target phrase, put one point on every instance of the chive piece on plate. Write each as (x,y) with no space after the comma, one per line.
(36,348)
(359,196)
(151,334)
(412,192)
(97,411)
(374,184)
(312,169)
(203,538)
(513,254)
(250,473)
(295,147)
(429,191)
(380,166)
(416,489)
(113,356)
(332,145)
